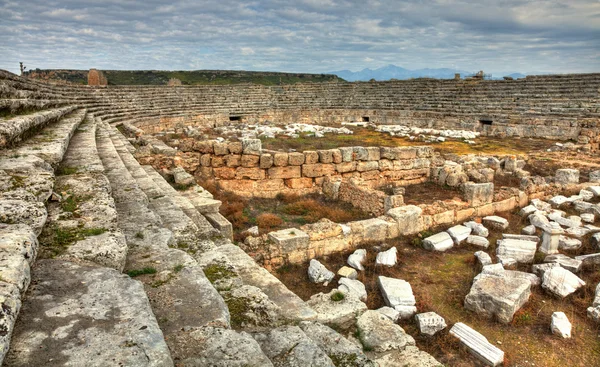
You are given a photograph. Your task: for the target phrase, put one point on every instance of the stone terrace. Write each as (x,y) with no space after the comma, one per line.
(77,210)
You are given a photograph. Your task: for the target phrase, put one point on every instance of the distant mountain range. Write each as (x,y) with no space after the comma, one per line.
(396,72)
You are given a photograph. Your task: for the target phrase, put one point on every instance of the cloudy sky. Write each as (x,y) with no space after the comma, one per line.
(302,35)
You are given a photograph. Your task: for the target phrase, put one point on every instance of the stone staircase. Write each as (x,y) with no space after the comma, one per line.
(104,263)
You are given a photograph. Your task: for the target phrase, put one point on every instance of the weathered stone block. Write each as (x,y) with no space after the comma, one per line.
(285,172)
(408,218)
(217,161)
(299,183)
(345,167)
(337,156)
(221,148)
(325,156)
(242,173)
(367,166)
(251,146)
(290,240)
(360,153)
(266,161)
(438,242)
(280,159)
(235,147)
(373,153)
(233,160)
(311,157)
(250,160)
(317,170)
(224,173)
(566,176)
(347,154)
(295,159)
(477,194)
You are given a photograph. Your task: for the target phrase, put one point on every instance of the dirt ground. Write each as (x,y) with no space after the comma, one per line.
(440,282)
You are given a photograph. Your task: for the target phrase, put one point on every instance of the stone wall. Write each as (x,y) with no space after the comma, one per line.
(246,169)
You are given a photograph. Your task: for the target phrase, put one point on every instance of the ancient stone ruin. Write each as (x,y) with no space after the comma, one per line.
(113,252)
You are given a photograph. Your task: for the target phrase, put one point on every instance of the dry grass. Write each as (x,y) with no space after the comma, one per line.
(440,282)
(268,221)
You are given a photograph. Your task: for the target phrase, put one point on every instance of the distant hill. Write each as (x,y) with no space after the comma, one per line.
(396,72)
(196,77)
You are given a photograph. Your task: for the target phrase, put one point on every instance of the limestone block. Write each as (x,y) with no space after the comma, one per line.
(224,173)
(561,282)
(317,170)
(205,160)
(522,237)
(477,194)
(568,243)
(529,230)
(430,323)
(477,229)
(280,159)
(299,183)
(290,240)
(588,217)
(483,258)
(520,250)
(396,153)
(380,334)
(387,258)
(565,261)
(285,172)
(347,154)
(217,161)
(478,345)
(356,287)
(373,153)
(204,146)
(408,218)
(318,273)
(250,160)
(386,165)
(367,166)
(589,260)
(459,233)
(221,148)
(243,173)
(325,156)
(235,147)
(32,214)
(295,159)
(566,176)
(528,210)
(251,146)
(438,242)
(357,259)
(478,241)
(345,167)
(495,221)
(311,157)
(397,293)
(560,325)
(497,297)
(373,229)
(360,154)
(336,155)
(347,272)
(266,161)
(586,195)
(550,241)
(233,160)
(323,229)
(336,313)
(540,269)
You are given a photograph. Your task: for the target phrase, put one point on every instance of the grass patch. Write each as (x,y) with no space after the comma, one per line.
(215,272)
(139,235)
(65,171)
(178,268)
(238,308)
(55,240)
(137,272)
(337,296)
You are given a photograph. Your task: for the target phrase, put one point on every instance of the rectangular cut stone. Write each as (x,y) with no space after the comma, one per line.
(299,183)
(398,152)
(345,167)
(266,161)
(233,160)
(290,240)
(242,173)
(438,242)
(325,156)
(221,148)
(360,154)
(367,166)
(396,292)
(250,160)
(477,194)
(520,250)
(317,170)
(408,218)
(217,161)
(459,233)
(478,345)
(311,157)
(224,173)
(280,159)
(373,153)
(285,172)
(374,229)
(347,154)
(295,159)
(251,146)
(337,156)
(235,147)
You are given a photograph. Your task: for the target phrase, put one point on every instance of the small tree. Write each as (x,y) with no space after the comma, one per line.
(22,67)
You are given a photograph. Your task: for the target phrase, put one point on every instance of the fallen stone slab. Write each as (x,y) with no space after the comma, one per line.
(568,243)
(483,258)
(541,205)
(458,233)
(560,325)
(566,176)
(561,282)
(594,189)
(71,303)
(587,217)
(494,221)
(390,313)
(521,237)
(318,273)
(357,258)
(478,241)
(341,351)
(589,260)
(477,229)
(586,195)
(397,293)
(520,250)
(409,356)
(558,200)
(290,346)
(497,297)
(565,261)
(539,220)
(430,323)
(540,269)
(478,345)
(438,242)
(356,287)
(529,230)
(387,258)
(577,232)
(528,210)
(378,333)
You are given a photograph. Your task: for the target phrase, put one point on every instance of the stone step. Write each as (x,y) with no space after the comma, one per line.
(23,105)
(250,273)
(181,296)
(80,315)
(477,345)
(13,130)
